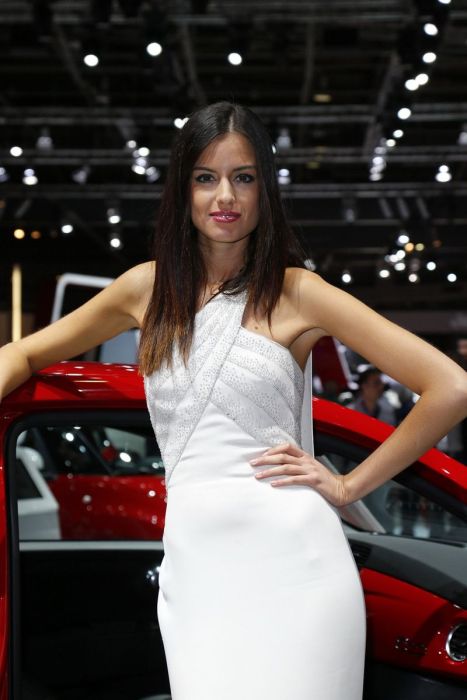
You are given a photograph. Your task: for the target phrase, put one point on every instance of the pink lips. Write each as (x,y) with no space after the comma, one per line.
(225,217)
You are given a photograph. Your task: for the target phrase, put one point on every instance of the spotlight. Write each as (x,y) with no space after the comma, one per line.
(152,174)
(443,174)
(283,140)
(398,133)
(384,273)
(429,57)
(283,176)
(16,151)
(29,177)
(399,266)
(346,277)
(80,175)
(403,239)
(413,277)
(452,277)
(431,265)
(430,29)
(91,60)
(179,122)
(422,78)
(404,113)
(234,58)
(44,141)
(411,84)
(113,215)
(154,48)
(115,240)
(66,228)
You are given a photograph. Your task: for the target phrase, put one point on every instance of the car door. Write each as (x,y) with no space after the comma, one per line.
(83,613)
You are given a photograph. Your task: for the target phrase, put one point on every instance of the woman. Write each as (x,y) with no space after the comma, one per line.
(260,598)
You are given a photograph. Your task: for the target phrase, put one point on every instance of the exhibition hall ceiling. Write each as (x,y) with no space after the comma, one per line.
(335,81)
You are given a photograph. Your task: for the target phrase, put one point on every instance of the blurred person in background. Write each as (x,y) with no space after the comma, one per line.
(370,398)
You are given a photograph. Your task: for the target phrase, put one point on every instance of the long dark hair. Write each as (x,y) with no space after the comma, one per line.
(180,273)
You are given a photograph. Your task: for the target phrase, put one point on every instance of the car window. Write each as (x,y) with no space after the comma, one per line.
(100,479)
(399,509)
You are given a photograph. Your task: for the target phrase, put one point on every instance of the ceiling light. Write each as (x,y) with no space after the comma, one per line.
(179,122)
(67,228)
(404,113)
(390,142)
(234,58)
(16,151)
(154,48)
(284,140)
(412,84)
(452,277)
(346,277)
(384,273)
(80,175)
(44,141)
(422,78)
(398,133)
(431,265)
(444,2)
(399,266)
(29,177)
(419,246)
(113,215)
(429,57)
(115,240)
(403,239)
(376,176)
(4,177)
(430,29)
(19,233)
(413,277)
(409,247)
(152,173)
(91,60)
(443,176)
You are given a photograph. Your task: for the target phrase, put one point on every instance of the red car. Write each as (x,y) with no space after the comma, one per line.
(82,504)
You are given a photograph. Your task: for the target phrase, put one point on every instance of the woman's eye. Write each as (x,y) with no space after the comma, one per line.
(248,178)
(199,178)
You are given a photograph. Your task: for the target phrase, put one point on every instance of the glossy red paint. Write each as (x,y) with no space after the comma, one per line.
(408,626)
(110,507)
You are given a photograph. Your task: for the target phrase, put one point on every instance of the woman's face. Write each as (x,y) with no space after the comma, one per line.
(224,181)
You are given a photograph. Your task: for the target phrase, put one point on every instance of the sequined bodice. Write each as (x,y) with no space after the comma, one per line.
(251,379)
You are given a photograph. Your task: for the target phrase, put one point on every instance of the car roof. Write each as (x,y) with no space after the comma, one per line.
(118,385)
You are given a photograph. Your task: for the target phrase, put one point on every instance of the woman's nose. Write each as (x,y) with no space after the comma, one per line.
(225,192)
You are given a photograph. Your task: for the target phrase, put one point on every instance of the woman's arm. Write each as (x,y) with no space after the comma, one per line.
(115,309)
(440,382)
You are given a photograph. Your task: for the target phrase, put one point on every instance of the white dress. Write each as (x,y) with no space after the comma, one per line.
(259,594)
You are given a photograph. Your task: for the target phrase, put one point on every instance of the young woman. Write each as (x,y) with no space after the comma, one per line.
(259,598)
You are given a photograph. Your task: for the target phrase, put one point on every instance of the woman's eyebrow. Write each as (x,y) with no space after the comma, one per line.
(242,167)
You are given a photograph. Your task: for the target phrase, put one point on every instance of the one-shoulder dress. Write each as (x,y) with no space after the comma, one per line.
(259,594)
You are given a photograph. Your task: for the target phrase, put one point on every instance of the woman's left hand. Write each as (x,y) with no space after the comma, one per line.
(301,468)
